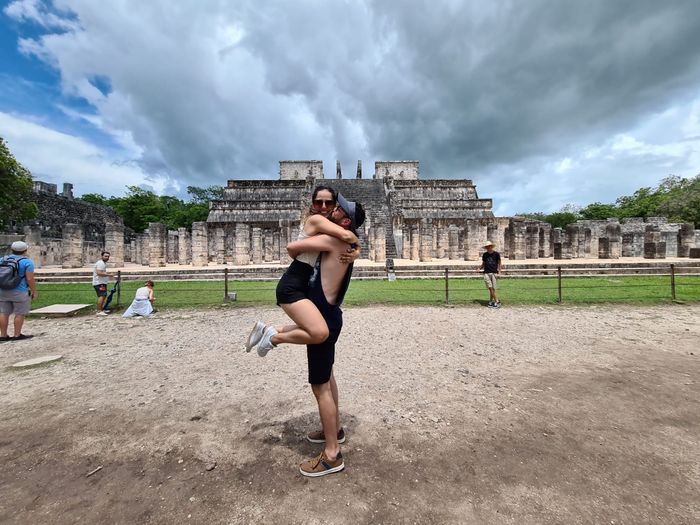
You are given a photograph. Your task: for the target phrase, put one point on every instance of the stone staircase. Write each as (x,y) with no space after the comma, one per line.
(370,193)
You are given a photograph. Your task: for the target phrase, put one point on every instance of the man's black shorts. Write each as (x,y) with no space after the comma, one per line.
(101,290)
(322,356)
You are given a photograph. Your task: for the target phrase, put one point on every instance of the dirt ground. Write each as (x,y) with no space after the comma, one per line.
(453,415)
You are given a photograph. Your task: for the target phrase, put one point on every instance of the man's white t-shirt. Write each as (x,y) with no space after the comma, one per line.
(100,266)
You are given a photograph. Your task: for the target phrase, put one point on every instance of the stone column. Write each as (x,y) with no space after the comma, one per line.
(612,232)
(518,233)
(406,247)
(256,251)
(158,241)
(453,237)
(242,255)
(268,245)
(285,239)
(669,235)
(443,241)
(219,244)
(171,247)
(654,247)
(200,244)
(32,236)
(426,240)
(532,240)
(184,246)
(545,250)
(557,250)
(475,239)
(415,241)
(114,244)
(380,243)
(628,244)
(686,239)
(72,246)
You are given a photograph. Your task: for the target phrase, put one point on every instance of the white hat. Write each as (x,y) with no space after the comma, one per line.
(488,244)
(19,246)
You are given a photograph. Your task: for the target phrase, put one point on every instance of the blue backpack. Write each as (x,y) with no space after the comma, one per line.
(9,273)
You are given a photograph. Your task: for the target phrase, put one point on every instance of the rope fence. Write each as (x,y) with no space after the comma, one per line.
(566,285)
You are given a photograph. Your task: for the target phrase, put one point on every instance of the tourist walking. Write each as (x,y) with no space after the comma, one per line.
(491,266)
(100,279)
(17,290)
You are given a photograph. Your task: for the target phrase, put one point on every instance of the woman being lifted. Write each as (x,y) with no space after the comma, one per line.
(292,289)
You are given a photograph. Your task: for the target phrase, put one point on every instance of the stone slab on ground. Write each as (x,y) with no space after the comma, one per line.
(37,361)
(60,309)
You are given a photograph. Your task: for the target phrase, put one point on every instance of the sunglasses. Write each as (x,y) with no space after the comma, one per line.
(319,203)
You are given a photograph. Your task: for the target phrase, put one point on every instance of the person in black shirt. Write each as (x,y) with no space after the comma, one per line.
(491,265)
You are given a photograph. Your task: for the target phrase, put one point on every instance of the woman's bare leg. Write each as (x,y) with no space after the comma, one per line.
(311,327)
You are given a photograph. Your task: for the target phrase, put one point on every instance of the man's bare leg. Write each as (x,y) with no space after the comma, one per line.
(329,417)
(334,391)
(4,323)
(19,322)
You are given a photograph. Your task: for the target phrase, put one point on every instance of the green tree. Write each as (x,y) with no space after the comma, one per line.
(15,189)
(95,198)
(598,211)
(682,203)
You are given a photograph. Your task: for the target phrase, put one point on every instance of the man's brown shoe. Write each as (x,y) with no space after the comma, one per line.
(321,465)
(319,437)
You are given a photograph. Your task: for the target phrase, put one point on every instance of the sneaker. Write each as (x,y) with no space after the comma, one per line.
(5,338)
(497,304)
(102,313)
(266,342)
(255,335)
(492,304)
(21,337)
(319,437)
(321,466)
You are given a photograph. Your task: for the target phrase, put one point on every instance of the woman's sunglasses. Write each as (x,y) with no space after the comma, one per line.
(319,203)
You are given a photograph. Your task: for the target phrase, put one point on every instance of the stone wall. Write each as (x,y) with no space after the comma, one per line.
(301,169)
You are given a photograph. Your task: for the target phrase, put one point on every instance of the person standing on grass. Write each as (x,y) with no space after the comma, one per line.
(491,265)
(17,290)
(100,279)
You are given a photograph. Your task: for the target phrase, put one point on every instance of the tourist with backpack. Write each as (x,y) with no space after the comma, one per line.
(17,290)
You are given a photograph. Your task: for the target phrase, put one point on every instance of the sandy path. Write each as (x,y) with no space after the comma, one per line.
(454,415)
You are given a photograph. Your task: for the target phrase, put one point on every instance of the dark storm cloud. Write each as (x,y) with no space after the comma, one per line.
(209,91)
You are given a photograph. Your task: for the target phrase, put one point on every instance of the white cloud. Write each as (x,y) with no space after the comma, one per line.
(57,157)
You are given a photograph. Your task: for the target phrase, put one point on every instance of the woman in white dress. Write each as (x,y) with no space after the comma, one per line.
(143,302)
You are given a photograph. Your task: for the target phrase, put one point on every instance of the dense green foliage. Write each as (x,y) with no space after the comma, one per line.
(15,189)
(139,207)
(676,198)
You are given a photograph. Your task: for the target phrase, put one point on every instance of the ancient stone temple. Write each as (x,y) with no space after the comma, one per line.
(406,217)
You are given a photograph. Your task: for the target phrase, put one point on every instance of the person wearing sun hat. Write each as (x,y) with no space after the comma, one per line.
(17,290)
(491,265)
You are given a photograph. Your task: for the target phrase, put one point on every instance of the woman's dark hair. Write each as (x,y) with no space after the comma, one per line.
(150,283)
(327,188)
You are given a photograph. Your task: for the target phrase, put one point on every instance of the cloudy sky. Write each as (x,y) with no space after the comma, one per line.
(540,103)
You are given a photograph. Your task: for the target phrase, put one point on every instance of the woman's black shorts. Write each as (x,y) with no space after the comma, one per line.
(294,284)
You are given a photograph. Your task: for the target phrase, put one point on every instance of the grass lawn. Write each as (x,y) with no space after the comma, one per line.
(633,289)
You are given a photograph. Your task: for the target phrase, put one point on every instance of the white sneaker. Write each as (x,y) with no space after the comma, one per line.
(255,335)
(265,343)
(102,313)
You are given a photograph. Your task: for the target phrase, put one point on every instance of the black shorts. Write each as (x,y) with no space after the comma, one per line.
(100,289)
(294,284)
(321,357)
